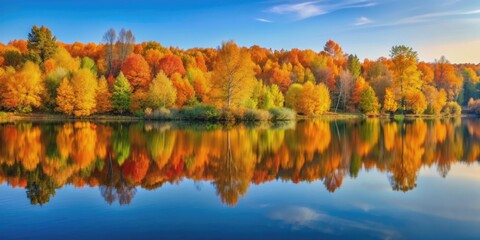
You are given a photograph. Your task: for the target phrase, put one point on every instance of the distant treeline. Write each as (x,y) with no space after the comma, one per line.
(121,76)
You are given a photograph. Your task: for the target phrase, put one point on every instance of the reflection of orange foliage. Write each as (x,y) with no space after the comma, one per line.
(83,149)
(17,182)
(366,136)
(440,131)
(408,158)
(29,147)
(233,158)
(316,137)
(135,168)
(390,131)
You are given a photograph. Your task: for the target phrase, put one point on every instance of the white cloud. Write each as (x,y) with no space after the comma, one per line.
(362,21)
(295,215)
(263,20)
(302,10)
(315,8)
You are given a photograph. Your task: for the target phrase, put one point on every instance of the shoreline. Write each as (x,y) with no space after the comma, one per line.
(12,117)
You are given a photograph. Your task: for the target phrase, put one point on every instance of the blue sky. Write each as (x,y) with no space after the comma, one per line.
(367,28)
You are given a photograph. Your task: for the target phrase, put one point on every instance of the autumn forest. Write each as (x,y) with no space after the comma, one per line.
(120,76)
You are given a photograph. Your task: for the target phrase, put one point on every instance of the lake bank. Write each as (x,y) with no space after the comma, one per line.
(12,117)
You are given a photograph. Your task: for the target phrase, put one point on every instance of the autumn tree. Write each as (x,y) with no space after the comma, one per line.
(269,97)
(64,60)
(416,101)
(137,71)
(153,56)
(13,58)
(405,73)
(447,78)
(200,83)
(138,100)
(293,94)
(185,91)
(471,84)
(52,81)
(436,100)
(427,73)
(378,76)
(280,76)
(162,93)
(84,85)
(41,44)
(389,103)
(335,51)
(121,94)
(232,76)
(103,97)
(369,101)
(354,66)
(325,70)
(171,64)
(23,90)
(359,86)
(345,86)
(89,64)
(313,100)
(65,99)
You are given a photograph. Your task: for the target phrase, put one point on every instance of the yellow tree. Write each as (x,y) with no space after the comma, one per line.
(162,93)
(389,103)
(103,96)
(416,101)
(65,97)
(24,89)
(436,100)
(233,76)
(84,85)
(406,76)
(293,94)
(313,100)
(198,80)
(64,60)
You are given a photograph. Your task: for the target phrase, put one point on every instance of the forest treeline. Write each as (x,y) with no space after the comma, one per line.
(120,76)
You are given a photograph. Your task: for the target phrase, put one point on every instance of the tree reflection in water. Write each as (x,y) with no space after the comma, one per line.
(119,158)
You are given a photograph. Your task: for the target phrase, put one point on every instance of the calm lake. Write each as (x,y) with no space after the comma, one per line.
(298,180)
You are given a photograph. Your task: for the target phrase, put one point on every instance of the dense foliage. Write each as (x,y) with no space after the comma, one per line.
(121,76)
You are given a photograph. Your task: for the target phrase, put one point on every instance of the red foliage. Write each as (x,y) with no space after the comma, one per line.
(137,71)
(171,64)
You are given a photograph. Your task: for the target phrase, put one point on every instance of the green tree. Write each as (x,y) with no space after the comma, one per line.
(13,58)
(41,44)
(121,94)
(354,66)
(471,84)
(369,101)
(89,64)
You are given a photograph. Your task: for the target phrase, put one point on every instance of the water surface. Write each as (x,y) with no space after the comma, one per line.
(310,180)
